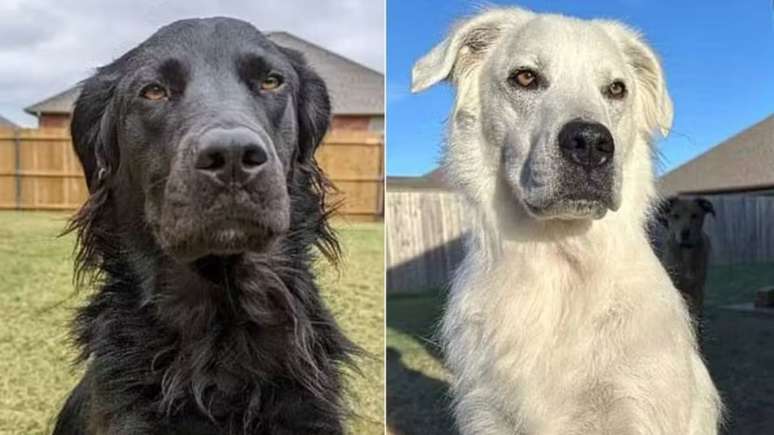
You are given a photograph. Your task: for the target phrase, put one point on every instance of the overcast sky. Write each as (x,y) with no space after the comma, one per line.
(47,46)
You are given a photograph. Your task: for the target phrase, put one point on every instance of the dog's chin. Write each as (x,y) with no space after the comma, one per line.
(224,238)
(571,209)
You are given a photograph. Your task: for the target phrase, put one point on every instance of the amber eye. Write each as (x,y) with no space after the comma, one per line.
(154,92)
(616,90)
(525,78)
(271,82)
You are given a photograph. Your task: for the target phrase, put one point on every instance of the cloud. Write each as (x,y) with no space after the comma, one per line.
(47,46)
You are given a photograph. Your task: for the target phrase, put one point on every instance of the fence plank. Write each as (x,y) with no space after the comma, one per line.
(51,178)
(424,243)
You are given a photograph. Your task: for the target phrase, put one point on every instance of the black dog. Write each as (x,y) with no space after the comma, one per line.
(205,207)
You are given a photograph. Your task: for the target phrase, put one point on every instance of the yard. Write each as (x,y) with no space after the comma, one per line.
(37,301)
(738,349)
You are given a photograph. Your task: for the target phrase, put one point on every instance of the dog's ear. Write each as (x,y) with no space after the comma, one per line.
(652,99)
(466,45)
(313,105)
(706,206)
(663,210)
(93,128)
(93,132)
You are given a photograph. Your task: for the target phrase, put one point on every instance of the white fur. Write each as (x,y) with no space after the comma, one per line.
(561,325)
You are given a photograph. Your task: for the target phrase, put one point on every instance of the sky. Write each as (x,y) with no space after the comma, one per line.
(47,46)
(718,57)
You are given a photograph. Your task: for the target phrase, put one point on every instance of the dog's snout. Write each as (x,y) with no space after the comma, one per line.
(230,156)
(588,144)
(685,234)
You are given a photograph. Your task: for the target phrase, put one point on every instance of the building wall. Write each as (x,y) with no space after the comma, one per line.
(358,122)
(349,122)
(51,120)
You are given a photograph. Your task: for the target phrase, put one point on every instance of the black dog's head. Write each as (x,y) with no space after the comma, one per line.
(196,137)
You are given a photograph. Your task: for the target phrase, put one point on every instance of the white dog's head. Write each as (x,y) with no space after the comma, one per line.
(554,112)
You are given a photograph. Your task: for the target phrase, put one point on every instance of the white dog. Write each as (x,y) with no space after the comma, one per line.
(561,319)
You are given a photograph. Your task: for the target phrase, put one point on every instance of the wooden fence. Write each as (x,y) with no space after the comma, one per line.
(743,231)
(424,239)
(426,227)
(40,171)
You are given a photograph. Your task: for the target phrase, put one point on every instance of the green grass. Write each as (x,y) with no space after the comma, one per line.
(37,302)
(737,347)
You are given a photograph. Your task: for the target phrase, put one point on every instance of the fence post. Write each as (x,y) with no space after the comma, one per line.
(380,185)
(17,166)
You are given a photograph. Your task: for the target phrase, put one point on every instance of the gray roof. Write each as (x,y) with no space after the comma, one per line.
(59,103)
(5,123)
(741,163)
(432,180)
(354,88)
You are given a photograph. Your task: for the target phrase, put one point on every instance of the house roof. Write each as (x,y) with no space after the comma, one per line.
(741,163)
(5,123)
(432,180)
(354,88)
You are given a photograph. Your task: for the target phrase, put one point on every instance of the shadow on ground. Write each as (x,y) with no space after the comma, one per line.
(738,347)
(418,389)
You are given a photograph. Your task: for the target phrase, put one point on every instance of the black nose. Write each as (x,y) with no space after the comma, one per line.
(588,144)
(230,156)
(685,234)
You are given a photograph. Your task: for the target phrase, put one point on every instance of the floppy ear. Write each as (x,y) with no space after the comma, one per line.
(706,206)
(93,133)
(662,211)
(466,45)
(93,128)
(313,106)
(653,101)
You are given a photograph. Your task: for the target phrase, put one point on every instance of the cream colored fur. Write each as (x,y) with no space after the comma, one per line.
(561,326)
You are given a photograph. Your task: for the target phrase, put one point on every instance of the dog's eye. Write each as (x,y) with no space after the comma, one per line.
(154,92)
(694,216)
(676,216)
(524,78)
(271,82)
(616,90)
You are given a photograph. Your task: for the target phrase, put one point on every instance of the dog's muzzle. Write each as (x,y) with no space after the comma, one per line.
(586,173)
(588,145)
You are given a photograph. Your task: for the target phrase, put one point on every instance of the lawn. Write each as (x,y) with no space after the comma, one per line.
(738,348)
(37,301)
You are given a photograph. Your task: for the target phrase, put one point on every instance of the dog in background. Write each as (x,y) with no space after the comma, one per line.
(560,319)
(686,248)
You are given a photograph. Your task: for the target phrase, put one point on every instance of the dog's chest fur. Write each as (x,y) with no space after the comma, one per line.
(559,345)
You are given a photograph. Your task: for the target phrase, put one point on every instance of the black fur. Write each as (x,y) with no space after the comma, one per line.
(223,344)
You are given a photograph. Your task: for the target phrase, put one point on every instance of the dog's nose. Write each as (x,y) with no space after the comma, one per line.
(230,156)
(685,234)
(588,144)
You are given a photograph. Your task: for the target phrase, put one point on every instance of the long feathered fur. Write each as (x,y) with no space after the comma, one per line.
(257,352)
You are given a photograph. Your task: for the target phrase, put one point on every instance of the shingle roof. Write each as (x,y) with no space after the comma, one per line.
(743,162)
(5,123)
(59,103)
(432,180)
(354,88)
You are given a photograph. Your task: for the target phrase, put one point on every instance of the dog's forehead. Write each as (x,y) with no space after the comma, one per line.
(222,34)
(553,38)
(687,205)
